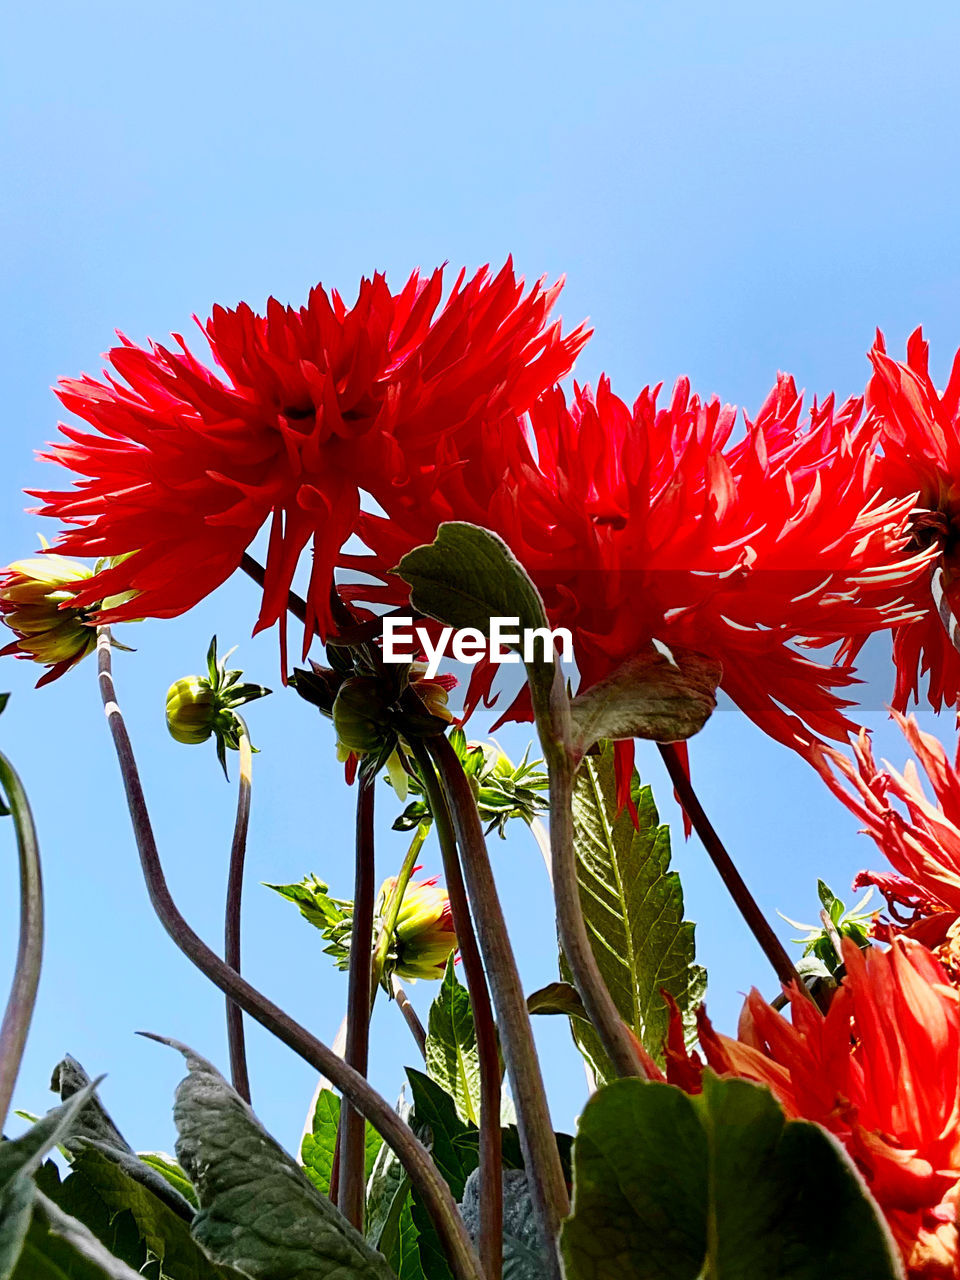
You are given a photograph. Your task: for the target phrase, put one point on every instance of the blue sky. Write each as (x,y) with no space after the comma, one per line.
(730,190)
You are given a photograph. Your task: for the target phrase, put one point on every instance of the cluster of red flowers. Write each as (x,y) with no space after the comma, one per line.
(760,544)
(880,1070)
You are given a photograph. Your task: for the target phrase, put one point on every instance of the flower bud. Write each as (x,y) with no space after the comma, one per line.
(423,937)
(35,597)
(200,706)
(192,710)
(360,716)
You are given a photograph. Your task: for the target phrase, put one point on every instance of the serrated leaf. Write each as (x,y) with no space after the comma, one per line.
(317,1147)
(258,1211)
(666,699)
(633,908)
(452,1056)
(718,1187)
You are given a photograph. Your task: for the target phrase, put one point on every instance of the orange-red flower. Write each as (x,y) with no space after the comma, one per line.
(920,839)
(645,523)
(310,407)
(881,1071)
(920,439)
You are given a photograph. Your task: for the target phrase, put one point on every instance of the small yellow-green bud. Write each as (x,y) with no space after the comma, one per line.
(192,710)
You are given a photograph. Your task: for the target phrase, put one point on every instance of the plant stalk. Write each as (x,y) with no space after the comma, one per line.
(350,1190)
(424,1174)
(391,911)
(410,1016)
(757,922)
(490,1237)
(236,1040)
(541,1157)
(26,976)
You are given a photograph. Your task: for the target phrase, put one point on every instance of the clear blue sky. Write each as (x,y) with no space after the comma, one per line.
(730,190)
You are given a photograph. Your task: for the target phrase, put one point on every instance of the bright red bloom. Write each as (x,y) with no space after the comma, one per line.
(921,841)
(920,438)
(314,405)
(646,524)
(880,1071)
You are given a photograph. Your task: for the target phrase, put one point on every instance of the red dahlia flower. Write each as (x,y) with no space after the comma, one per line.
(881,1071)
(920,438)
(646,524)
(921,841)
(310,407)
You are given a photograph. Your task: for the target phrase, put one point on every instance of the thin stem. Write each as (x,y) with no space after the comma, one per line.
(938,587)
(231,931)
(350,1191)
(757,922)
(410,1016)
(541,1157)
(253,569)
(424,1175)
(26,975)
(490,1237)
(391,911)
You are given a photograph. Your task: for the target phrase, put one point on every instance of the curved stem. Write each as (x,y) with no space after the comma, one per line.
(938,588)
(26,976)
(490,1238)
(410,1018)
(391,911)
(350,1188)
(541,1157)
(411,1153)
(231,931)
(757,922)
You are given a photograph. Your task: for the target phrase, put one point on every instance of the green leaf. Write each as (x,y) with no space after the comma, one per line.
(16,1210)
(168,1169)
(114,1228)
(405,1258)
(453,1059)
(59,1247)
(166,1234)
(557,997)
(633,908)
(92,1127)
(469,575)
(436,1122)
(259,1212)
(318,1146)
(523,1256)
(718,1187)
(332,916)
(23,1155)
(665,698)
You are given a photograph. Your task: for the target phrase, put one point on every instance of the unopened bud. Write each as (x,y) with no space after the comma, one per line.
(35,597)
(423,936)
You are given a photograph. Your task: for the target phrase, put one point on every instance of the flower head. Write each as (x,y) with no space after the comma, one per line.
(646,524)
(919,838)
(880,1070)
(309,406)
(920,440)
(423,938)
(38,603)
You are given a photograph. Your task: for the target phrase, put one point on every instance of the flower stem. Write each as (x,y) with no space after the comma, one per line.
(757,922)
(411,1153)
(490,1237)
(391,912)
(26,976)
(541,1157)
(231,931)
(409,1015)
(350,1191)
